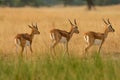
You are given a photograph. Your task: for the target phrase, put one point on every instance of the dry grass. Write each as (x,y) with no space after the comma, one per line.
(40,66)
(15,20)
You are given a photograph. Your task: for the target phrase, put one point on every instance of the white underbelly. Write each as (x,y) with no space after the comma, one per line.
(97,42)
(18,42)
(63,40)
(27,43)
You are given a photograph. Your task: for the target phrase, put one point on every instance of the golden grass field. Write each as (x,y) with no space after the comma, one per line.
(39,65)
(15,20)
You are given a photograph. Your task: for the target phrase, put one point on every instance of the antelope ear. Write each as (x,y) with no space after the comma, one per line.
(70,22)
(75,22)
(105,22)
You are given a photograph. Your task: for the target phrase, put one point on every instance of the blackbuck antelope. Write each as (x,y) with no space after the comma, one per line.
(25,39)
(96,37)
(62,36)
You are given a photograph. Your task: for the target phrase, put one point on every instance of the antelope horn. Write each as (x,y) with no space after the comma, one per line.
(70,21)
(75,22)
(36,26)
(108,21)
(105,21)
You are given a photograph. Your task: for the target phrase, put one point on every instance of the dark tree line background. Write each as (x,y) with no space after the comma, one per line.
(38,3)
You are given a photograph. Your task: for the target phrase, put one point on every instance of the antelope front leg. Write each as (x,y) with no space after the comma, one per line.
(31,49)
(66,48)
(100,46)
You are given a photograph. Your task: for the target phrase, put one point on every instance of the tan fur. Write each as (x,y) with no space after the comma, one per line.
(96,35)
(25,39)
(63,36)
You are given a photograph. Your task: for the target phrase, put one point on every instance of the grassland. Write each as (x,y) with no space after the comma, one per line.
(61,68)
(39,66)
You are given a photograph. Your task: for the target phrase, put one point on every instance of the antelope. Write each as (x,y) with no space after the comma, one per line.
(92,38)
(62,36)
(24,39)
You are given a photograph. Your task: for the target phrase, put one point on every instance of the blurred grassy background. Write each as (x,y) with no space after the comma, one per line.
(39,66)
(16,20)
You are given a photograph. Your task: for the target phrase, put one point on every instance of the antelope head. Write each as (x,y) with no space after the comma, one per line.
(109,26)
(74,26)
(34,28)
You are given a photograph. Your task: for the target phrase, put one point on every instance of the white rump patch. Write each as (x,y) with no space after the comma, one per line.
(52,36)
(86,38)
(63,40)
(97,42)
(17,41)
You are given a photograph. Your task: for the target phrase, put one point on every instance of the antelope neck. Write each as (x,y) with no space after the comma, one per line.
(71,33)
(32,35)
(106,33)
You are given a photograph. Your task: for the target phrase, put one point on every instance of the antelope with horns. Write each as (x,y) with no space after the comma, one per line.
(92,38)
(25,39)
(62,36)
